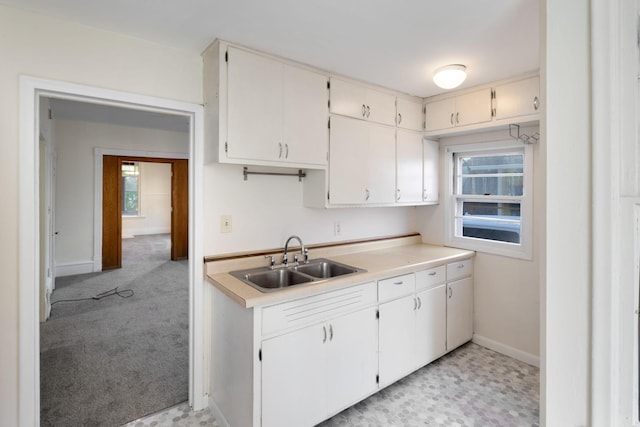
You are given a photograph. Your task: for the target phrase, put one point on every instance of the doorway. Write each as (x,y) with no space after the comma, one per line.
(32,90)
(114,198)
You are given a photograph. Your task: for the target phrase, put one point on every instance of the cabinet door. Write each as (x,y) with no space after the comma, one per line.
(397,334)
(431,325)
(459,312)
(431,173)
(254,107)
(348,143)
(440,114)
(352,358)
(474,107)
(348,99)
(381,164)
(409,114)
(381,107)
(305,131)
(519,98)
(409,167)
(293,378)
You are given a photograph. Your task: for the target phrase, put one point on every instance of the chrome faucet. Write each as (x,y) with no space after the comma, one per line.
(303,251)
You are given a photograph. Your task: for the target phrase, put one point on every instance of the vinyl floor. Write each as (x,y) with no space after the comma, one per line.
(471,386)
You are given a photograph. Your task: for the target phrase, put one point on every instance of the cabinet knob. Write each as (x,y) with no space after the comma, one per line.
(330,332)
(415,304)
(368,111)
(367,194)
(279,150)
(398,194)
(399,118)
(450,292)
(536,103)
(324,338)
(457,118)
(424,195)
(286,151)
(451,120)
(419,303)
(364,110)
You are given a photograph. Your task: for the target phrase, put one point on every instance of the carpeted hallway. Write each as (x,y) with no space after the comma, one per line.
(106,362)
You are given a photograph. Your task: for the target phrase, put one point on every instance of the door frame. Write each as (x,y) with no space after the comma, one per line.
(99,153)
(31,90)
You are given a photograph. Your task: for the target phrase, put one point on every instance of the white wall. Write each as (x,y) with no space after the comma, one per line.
(76,142)
(266,210)
(39,46)
(506,290)
(155,202)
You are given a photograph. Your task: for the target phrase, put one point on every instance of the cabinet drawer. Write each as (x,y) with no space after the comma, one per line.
(459,269)
(395,287)
(316,308)
(427,279)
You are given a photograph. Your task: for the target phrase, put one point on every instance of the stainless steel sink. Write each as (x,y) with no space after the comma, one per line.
(326,269)
(267,279)
(275,279)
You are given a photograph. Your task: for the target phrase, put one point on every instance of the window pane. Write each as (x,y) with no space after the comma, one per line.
(498,164)
(493,185)
(130,186)
(491,221)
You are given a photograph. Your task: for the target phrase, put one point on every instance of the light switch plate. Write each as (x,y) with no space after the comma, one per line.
(225,224)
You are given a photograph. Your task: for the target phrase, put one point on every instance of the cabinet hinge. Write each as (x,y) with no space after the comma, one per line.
(260,355)
(377,314)
(329,123)
(226,56)
(377,379)
(329,104)
(226,147)
(328,84)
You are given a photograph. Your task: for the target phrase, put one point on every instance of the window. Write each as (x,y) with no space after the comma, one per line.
(489,206)
(130,189)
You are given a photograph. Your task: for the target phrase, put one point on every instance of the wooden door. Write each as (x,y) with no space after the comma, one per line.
(112,208)
(180,210)
(111,212)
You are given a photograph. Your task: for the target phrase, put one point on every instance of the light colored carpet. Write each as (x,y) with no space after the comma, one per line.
(107,362)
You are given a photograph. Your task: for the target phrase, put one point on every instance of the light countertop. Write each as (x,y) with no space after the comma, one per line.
(409,256)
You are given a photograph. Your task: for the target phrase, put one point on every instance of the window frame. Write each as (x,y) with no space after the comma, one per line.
(522,250)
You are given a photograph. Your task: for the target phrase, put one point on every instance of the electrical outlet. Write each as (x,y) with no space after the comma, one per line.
(337,228)
(225,224)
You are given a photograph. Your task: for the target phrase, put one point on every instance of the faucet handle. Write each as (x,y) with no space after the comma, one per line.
(272,261)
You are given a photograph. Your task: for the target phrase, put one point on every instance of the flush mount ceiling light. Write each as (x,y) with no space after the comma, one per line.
(450,76)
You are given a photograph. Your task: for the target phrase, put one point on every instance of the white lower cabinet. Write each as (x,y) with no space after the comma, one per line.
(314,372)
(413,327)
(459,303)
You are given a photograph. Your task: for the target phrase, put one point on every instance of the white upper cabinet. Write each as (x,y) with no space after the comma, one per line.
(264,111)
(430,178)
(361,102)
(362,163)
(254,110)
(305,131)
(409,114)
(409,158)
(515,99)
(461,110)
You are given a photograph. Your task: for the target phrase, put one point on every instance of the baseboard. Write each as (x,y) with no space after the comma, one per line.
(217,414)
(73,268)
(523,356)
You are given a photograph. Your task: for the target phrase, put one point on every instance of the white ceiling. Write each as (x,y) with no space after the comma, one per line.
(392,43)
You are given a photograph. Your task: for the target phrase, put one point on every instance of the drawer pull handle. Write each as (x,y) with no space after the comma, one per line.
(415,304)
(324,330)
(419,303)
(450,292)
(398,283)
(433,273)
(330,332)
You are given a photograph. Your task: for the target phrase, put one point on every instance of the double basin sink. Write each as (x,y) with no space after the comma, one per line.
(267,279)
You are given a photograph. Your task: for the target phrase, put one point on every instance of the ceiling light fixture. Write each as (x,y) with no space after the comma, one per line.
(450,76)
